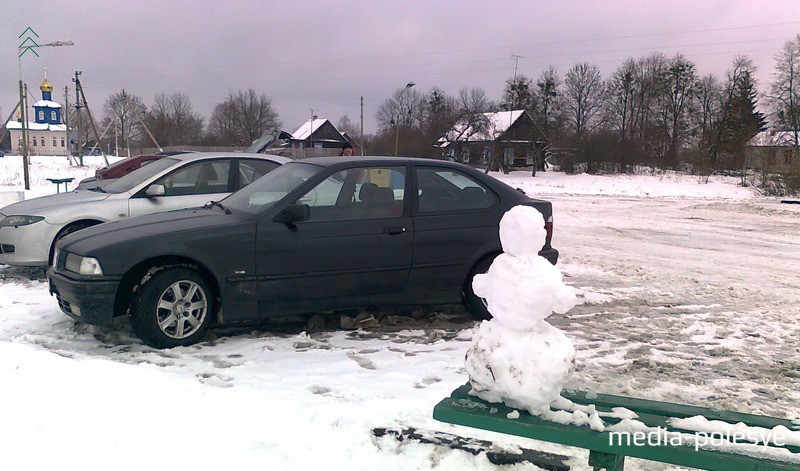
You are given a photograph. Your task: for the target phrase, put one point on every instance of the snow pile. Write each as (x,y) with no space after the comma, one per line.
(665,185)
(517,358)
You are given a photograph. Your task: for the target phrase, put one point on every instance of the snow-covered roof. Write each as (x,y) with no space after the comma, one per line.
(308,128)
(16,125)
(772,138)
(498,123)
(47,104)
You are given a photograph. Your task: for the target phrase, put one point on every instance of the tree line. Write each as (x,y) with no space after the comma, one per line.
(654,110)
(172,121)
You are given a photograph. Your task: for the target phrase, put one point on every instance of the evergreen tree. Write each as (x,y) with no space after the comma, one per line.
(741,121)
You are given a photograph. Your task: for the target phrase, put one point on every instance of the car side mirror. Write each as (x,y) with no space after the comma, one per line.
(293,213)
(155,190)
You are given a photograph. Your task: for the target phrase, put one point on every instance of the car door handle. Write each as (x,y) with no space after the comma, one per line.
(394,230)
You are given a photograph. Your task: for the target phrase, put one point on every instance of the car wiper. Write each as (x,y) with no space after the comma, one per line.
(97,188)
(211,204)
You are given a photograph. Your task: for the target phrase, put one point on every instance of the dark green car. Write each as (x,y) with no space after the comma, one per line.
(313,235)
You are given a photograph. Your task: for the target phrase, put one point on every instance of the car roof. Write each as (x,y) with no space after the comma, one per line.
(378,159)
(242,155)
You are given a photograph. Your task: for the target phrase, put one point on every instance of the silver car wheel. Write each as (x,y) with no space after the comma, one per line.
(181,309)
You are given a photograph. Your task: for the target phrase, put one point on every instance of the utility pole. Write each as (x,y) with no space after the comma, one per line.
(397,123)
(24,112)
(116,137)
(514,94)
(79,87)
(66,123)
(78,107)
(362,125)
(311,133)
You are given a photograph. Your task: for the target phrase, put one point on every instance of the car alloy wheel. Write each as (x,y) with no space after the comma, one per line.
(181,309)
(172,307)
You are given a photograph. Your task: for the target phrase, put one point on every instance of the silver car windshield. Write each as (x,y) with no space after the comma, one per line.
(271,188)
(138,176)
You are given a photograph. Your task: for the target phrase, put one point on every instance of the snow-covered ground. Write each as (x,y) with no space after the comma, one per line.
(689,292)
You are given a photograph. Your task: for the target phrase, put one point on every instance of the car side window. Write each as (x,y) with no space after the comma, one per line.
(251,170)
(198,178)
(444,190)
(358,193)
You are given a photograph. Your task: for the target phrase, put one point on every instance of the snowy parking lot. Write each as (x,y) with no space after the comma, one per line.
(689,292)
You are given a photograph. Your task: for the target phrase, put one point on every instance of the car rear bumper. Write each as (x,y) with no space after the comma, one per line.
(550,254)
(89,301)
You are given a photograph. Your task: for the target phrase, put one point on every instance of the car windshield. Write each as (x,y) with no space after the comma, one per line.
(272,187)
(138,176)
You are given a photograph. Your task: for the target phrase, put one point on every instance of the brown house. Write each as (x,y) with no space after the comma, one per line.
(502,136)
(317,138)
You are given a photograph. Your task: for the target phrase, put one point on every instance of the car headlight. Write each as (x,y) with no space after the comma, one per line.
(82,265)
(19,220)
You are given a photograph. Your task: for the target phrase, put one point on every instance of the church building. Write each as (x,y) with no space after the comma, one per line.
(47,135)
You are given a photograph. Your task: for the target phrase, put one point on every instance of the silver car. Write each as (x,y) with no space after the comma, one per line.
(30,229)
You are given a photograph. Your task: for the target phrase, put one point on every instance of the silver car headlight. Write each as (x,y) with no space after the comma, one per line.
(19,220)
(82,265)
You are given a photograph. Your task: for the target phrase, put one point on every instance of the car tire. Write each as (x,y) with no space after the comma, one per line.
(474,303)
(172,307)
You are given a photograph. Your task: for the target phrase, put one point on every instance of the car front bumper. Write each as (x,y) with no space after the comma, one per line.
(89,301)
(26,245)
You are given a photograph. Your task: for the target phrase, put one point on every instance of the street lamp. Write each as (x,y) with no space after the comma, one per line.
(397,128)
(24,111)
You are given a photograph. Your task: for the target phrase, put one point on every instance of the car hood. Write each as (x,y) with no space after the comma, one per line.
(161,228)
(44,204)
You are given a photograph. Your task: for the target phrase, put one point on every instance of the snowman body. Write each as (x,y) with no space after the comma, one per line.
(517,357)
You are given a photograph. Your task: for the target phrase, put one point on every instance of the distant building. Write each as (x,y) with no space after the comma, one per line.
(772,150)
(318,138)
(47,135)
(504,135)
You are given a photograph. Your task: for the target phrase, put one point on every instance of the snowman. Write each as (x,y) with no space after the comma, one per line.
(517,358)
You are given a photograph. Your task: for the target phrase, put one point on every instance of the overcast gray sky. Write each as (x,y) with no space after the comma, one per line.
(324,55)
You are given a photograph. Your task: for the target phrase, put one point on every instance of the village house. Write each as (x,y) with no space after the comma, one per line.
(318,138)
(773,151)
(503,137)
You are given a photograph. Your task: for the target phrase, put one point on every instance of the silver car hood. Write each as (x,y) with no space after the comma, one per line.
(58,202)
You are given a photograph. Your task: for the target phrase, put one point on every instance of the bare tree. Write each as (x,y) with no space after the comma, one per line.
(518,94)
(710,103)
(679,87)
(473,100)
(128,111)
(345,125)
(242,118)
(439,112)
(648,73)
(621,101)
(403,109)
(583,98)
(784,97)
(548,105)
(172,120)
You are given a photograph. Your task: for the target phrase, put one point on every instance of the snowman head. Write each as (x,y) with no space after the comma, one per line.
(522,232)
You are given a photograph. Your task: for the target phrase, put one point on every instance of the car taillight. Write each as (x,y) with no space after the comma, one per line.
(548,226)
